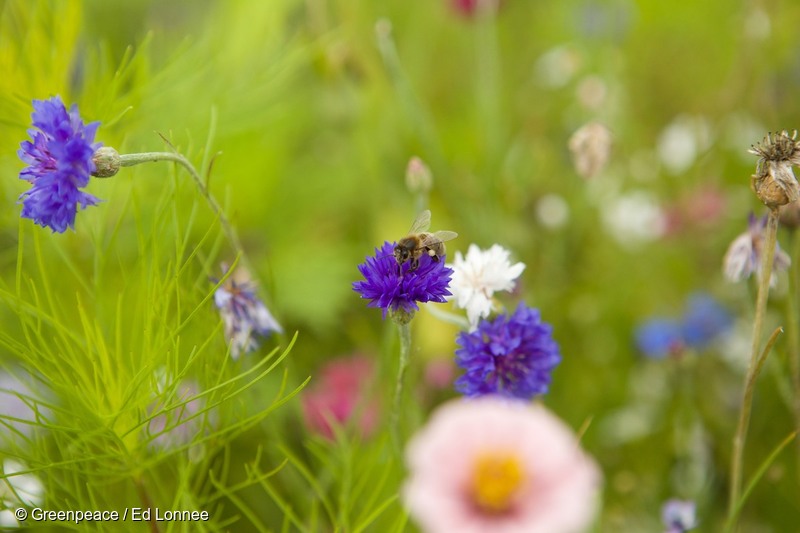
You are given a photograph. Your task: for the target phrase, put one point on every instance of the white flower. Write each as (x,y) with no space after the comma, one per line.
(478,276)
(17,490)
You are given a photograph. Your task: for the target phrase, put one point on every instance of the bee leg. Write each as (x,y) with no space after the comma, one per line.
(414,264)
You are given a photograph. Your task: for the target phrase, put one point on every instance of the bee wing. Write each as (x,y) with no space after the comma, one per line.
(422,222)
(439,236)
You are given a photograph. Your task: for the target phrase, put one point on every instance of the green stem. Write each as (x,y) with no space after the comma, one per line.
(129,160)
(793,334)
(413,109)
(405,352)
(754,366)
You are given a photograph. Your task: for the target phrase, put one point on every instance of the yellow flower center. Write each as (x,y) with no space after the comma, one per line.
(496,479)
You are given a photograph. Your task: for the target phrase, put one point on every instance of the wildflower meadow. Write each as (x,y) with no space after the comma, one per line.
(441,266)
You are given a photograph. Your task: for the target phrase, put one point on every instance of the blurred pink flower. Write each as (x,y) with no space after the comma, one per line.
(471,8)
(339,394)
(492,465)
(440,373)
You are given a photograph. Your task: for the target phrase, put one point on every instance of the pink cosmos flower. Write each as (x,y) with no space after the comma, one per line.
(340,394)
(493,465)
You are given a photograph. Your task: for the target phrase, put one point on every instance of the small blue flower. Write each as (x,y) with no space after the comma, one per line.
(246,317)
(511,356)
(704,321)
(60,164)
(399,291)
(659,337)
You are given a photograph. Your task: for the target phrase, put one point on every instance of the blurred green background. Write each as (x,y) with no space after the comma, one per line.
(319,105)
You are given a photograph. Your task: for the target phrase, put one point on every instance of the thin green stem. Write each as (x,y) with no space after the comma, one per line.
(405,352)
(419,117)
(129,160)
(768,251)
(793,334)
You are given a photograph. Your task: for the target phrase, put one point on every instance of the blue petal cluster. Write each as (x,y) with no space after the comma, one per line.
(512,356)
(703,322)
(245,316)
(400,290)
(659,337)
(59,156)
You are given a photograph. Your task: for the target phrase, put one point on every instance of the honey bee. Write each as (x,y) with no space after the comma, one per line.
(419,241)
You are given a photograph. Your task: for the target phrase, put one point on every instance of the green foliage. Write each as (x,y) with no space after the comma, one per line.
(302,116)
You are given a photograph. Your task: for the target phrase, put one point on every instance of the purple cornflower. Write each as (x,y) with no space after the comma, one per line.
(660,337)
(678,516)
(245,316)
(511,356)
(705,320)
(399,291)
(59,159)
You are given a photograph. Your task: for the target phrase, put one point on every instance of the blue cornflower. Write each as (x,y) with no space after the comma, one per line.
(660,337)
(398,291)
(511,356)
(704,321)
(246,317)
(60,164)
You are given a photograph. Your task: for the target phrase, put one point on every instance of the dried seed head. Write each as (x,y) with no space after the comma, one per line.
(774,182)
(780,148)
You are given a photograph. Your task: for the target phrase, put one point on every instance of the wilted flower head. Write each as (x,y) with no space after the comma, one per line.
(17,490)
(512,356)
(340,394)
(478,276)
(678,516)
(59,158)
(398,290)
(492,465)
(743,257)
(774,182)
(591,147)
(246,317)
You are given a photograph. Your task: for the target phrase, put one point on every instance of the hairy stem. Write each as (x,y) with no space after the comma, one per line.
(129,160)
(405,351)
(754,366)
